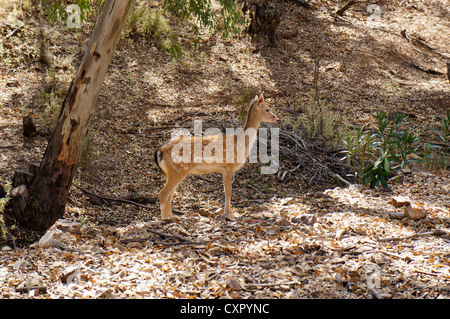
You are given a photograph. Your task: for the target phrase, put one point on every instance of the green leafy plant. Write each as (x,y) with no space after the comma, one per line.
(377,154)
(230,21)
(378,172)
(6,186)
(444,133)
(439,151)
(56,10)
(318,121)
(50,103)
(358,148)
(395,140)
(153,23)
(406,143)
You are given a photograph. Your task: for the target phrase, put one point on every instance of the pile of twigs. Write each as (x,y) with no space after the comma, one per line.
(313,160)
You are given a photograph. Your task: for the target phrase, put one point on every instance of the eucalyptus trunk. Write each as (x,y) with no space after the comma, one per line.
(38,203)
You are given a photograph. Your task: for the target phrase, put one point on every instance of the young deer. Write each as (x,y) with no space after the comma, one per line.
(224,153)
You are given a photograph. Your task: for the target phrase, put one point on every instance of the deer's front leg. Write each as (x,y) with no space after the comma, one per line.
(227,183)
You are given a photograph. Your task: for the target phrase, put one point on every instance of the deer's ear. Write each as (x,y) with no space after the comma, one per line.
(261,99)
(254,100)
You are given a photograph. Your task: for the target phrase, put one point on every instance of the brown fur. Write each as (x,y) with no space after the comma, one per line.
(175,169)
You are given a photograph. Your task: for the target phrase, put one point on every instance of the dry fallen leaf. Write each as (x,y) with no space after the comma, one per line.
(68,226)
(414,213)
(235,284)
(400,201)
(70,274)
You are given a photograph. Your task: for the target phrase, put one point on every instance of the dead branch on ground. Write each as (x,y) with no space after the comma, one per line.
(313,161)
(113,199)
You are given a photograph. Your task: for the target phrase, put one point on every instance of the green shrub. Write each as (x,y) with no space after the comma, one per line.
(229,22)
(438,152)
(318,121)
(358,149)
(56,10)
(6,186)
(50,103)
(153,24)
(377,154)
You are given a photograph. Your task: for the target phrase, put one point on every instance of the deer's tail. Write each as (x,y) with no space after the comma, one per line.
(158,158)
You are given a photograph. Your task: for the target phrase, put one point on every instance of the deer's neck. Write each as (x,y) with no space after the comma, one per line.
(250,132)
(252,122)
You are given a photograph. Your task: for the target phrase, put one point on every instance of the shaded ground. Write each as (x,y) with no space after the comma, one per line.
(288,240)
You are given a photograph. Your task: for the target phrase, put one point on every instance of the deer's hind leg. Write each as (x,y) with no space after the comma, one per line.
(166,194)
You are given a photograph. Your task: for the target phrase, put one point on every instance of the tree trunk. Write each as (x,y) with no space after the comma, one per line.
(44,200)
(265,18)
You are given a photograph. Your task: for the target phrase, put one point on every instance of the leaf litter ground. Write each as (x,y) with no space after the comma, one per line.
(290,238)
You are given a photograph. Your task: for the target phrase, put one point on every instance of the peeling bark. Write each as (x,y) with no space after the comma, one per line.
(39,205)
